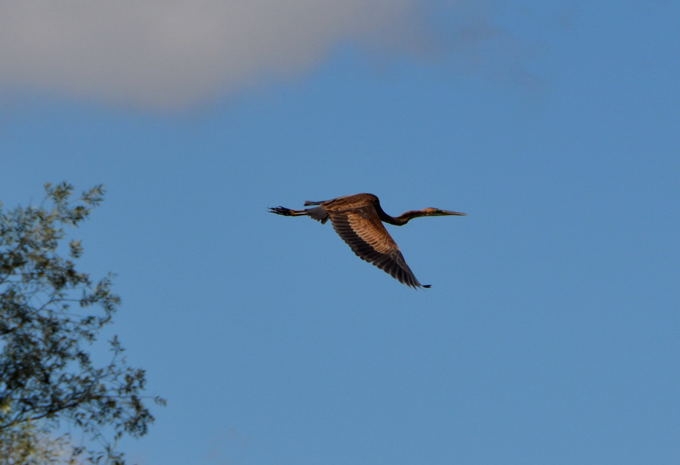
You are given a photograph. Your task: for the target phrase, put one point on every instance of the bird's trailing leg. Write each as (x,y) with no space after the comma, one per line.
(317,213)
(287,211)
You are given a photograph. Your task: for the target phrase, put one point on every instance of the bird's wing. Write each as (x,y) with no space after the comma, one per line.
(366,235)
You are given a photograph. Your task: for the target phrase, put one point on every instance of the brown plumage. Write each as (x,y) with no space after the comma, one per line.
(358,221)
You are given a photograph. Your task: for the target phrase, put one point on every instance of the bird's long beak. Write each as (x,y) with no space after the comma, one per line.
(449,212)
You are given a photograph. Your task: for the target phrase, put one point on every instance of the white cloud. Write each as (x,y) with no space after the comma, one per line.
(171,53)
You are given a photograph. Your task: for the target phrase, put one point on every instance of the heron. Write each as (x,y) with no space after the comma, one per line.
(358,220)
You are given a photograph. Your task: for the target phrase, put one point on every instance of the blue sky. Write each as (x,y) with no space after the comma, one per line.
(551,333)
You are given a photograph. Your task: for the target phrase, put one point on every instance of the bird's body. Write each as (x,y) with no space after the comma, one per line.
(358,220)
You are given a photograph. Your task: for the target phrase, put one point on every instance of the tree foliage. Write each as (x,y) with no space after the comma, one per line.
(51,313)
(26,444)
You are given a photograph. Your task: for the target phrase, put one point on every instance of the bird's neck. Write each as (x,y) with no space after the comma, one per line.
(401,219)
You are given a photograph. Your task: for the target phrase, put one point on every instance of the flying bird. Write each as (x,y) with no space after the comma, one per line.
(358,221)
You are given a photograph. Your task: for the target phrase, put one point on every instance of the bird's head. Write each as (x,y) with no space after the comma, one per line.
(430,211)
(409,215)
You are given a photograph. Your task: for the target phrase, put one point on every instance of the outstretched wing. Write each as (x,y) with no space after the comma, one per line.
(363,231)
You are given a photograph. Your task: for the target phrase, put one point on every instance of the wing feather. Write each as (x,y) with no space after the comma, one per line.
(363,231)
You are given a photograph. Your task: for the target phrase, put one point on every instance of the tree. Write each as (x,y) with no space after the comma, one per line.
(51,313)
(28,445)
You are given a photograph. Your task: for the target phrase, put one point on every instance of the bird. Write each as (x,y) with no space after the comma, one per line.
(358,220)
